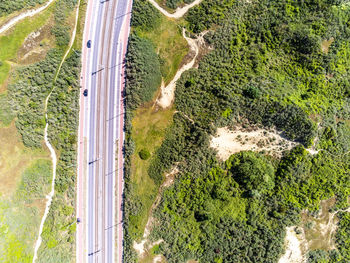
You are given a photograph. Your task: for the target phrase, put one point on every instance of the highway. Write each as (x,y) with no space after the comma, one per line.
(100,161)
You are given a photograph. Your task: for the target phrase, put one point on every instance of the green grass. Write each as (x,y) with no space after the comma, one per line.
(21,213)
(13,40)
(148,133)
(170,45)
(80,27)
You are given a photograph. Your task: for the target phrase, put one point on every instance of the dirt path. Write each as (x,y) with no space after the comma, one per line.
(22,16)
(49,146)
(168,92)
(179,12)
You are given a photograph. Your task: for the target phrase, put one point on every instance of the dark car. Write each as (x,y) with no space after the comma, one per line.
(78,220)
(89,44)
(85,92)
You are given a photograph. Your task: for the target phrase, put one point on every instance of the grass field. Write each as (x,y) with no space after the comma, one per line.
(25,178)
(170,45)
(14,38)
(148,132)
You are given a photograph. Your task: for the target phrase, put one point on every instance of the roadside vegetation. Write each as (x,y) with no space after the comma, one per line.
(280,64)
(158,42)
(24,92)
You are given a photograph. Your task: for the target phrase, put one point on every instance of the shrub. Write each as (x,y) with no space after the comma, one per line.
(144,154)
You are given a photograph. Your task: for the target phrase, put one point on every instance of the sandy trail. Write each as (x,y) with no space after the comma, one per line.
(179,12)
(49,146)
(168,92)
(24,15)
(144,244)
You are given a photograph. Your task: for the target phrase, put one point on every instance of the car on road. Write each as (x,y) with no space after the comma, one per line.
(88,44)
(78,220)
(85,93)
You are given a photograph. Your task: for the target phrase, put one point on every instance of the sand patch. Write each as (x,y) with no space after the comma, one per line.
(228,142)
(326,44)
(293,245)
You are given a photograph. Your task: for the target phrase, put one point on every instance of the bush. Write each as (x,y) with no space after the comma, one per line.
(144,15)
(143,75)
(144,154)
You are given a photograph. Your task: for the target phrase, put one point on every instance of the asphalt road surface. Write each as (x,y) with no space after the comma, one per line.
(101,137)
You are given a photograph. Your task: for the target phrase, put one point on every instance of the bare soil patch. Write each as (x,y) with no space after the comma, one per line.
(293,243)
(179,12)
(228,142)
(36,45)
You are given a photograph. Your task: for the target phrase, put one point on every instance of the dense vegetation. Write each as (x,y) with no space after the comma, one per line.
(9,6)
(280,64)
(144,15)
(143,70)
(31,85)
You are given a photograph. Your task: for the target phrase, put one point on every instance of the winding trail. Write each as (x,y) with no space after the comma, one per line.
(22,16)
(48,144)
(168,92)
(179,12)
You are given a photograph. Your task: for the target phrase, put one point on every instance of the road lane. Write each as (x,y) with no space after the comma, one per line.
(101,126)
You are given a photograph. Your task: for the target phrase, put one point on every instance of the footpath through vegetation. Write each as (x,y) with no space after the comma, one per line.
(47,142)
(40,97)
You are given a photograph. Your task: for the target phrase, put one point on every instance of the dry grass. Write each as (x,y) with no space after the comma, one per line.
(14,158)
(36,45)
(320,230)
(326,44)
(148,133)
(314,232)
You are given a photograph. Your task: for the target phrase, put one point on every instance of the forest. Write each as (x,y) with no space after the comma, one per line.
(282,64)
(9,6)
